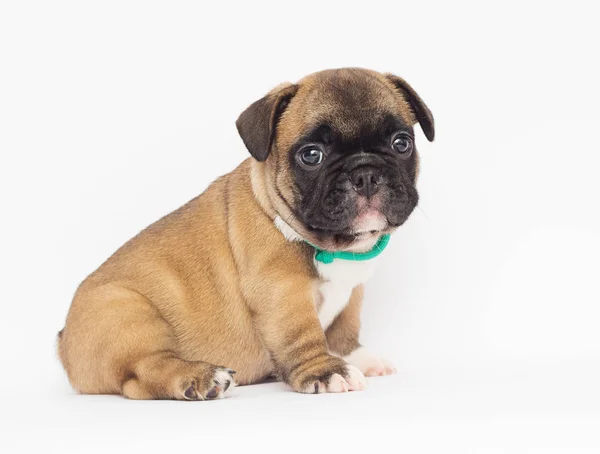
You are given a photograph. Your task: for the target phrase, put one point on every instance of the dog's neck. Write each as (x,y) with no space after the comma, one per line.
(288,232)
(259,187)
(263,195)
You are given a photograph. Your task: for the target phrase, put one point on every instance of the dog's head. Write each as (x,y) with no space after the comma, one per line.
(339,154)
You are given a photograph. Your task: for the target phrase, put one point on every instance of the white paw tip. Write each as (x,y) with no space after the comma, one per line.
(225,381)
(337,384)
(356,379)
(371,365)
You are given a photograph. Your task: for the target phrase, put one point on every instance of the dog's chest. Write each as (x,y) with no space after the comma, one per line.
(339,278)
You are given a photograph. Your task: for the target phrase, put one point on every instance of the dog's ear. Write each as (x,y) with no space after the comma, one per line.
(420,109)
(257,124)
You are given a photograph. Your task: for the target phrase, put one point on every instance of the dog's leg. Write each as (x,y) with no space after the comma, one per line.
(165,376)
(116,342)
(342,339)
(342,334)
(290,329)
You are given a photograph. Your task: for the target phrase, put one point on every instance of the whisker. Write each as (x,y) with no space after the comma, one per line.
(422,211)
(289,217)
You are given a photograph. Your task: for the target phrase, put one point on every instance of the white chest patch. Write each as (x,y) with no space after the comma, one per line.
(340,277)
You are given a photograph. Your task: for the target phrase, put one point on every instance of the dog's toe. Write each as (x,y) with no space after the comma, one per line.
(221,382)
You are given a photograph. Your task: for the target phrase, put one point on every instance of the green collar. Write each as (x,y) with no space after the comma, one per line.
(329,256)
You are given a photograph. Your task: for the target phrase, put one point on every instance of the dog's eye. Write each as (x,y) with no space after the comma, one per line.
(311,156)
(402,144)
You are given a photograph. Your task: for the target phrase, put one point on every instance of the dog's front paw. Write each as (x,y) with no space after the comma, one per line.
(369,364)
(327,374)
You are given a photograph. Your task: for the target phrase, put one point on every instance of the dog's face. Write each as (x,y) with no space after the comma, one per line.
(340,154)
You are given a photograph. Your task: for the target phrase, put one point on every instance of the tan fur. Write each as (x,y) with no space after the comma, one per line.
(215,284)
(141,323)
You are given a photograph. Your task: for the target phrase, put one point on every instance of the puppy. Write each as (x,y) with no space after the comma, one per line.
(262,273)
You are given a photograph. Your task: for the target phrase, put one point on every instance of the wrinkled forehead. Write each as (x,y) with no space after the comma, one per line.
(350,103)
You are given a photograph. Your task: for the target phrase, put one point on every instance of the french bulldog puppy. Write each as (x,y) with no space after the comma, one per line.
(263,272)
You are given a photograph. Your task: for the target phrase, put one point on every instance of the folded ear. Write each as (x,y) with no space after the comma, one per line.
(258,123)
(420,109)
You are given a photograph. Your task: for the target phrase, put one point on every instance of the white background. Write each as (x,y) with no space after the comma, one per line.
(112,114)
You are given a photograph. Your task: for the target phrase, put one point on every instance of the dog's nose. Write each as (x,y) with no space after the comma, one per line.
(365,181)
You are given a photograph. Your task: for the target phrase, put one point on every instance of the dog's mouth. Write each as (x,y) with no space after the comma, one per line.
(345,240)
(361,235)
(371,220)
